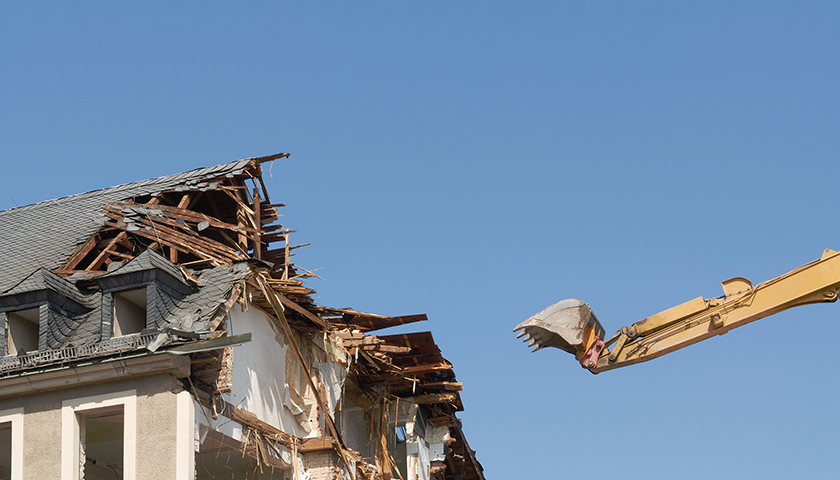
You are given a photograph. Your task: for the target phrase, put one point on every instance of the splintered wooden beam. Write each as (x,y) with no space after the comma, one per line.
(258,233)
(82,253)
(448,386)
(354,339)
(232,193)
(425,368)
(317,444)
(274,228)
(178,236)
(431,398)
(447,420)
(302,311)
(369,322)
(373,362)
(103,255)
(200,247)
(385,348)
(190,216)
(274,300)
(265,190)
(269,158)
(273,237)
(185,201)
(121,255)
(287,257)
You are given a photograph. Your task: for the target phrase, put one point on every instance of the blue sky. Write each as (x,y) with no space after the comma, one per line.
(478,161)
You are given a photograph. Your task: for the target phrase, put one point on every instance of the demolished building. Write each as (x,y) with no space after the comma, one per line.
(160,330)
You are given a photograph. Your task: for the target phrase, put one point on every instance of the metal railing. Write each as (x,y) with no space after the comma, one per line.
(112,346)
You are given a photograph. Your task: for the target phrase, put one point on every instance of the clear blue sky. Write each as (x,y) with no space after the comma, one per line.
(478,161)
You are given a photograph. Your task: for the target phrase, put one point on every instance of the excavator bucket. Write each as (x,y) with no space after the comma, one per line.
(568,325)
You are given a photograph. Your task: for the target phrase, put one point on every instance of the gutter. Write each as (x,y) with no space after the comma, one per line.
(95,371)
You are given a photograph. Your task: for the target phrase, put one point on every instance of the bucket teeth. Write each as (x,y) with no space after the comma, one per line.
(561,325)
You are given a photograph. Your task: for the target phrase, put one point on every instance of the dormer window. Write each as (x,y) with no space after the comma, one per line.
(129,311)
(140,295)
(22,333)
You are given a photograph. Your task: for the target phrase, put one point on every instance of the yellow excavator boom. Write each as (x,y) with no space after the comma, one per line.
(687,323)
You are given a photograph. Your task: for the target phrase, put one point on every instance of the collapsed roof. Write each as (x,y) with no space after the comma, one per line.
(198,242)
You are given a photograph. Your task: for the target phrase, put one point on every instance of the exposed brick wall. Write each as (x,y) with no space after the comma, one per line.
(322,465)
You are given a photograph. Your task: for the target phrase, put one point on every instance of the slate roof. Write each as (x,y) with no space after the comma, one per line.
(38,238)
(43,279)
(149,260)
(45,234)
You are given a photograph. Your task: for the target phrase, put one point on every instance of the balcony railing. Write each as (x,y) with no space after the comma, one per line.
(112,346)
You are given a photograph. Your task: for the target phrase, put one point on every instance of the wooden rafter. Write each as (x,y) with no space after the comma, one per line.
(258,233)
(82,253)
(103,255)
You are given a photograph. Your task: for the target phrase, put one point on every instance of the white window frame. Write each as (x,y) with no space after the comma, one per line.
(15,416)
(185,436)
(70,430)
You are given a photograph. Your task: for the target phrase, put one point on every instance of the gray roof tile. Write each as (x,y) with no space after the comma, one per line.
(45,234)
(38,238)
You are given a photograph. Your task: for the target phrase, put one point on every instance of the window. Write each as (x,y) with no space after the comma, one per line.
(5,451)
(399,434)
(100,434)
(129,312)
(22,331)
(11,444)
(101,443)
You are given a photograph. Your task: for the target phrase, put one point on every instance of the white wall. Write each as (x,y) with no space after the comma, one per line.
(268,380)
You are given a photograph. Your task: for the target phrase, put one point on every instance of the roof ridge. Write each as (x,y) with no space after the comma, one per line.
(222,168)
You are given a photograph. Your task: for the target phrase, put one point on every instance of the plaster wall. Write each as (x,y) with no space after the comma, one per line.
(157,424)
(267,378)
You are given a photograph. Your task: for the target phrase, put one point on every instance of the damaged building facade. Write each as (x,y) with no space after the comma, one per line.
(159,330)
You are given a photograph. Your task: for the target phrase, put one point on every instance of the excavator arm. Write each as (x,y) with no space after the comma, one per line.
(684,324)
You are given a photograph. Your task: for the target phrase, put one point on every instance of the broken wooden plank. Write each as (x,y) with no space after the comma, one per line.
(82,253)
(425,368)
(273,298)
(432,398)
(297,308)
(317,444)
(370,322)
(269,158)
(448,386)
(444,420)
(385,348)
(190,215)
(258,233)
(173,253)
(103,255)
(162,236)
(209,248)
